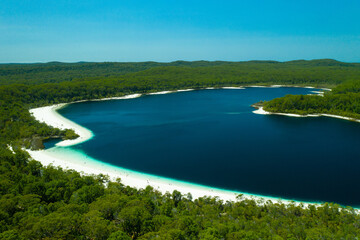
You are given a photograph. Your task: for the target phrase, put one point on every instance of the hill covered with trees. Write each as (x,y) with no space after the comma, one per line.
(38,202)
(325,72)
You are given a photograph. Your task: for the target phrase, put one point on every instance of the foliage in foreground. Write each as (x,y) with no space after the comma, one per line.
(39,202)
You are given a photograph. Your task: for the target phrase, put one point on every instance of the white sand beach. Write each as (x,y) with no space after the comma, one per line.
(290,86)
(185,90)
(159,93)
(233,88)
(262,111)
(270,86)
(319,93)
(258,86)
(119,98)
(68,158)
(51,117)
(326,89)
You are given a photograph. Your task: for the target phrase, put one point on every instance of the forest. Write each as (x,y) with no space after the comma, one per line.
(343,100)
(47,202)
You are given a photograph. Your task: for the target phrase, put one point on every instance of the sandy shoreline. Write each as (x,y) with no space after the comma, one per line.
(320,93)
(68,158)
(233,88)
(167,92)
(262,111)
(51,117)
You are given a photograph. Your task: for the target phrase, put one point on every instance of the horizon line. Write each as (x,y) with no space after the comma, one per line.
(179,60)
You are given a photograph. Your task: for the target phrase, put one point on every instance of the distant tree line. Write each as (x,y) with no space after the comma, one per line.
(317,72)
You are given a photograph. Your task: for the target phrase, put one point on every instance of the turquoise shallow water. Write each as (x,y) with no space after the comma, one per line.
(211,137)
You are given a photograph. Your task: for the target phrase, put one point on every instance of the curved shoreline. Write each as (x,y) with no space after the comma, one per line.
(67,158)
(51,117)
(70,159)
(260,110)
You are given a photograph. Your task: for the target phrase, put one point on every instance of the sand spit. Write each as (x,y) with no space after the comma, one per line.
(185,90)
(51,117)
(262,111)
(233,88)
(119,98)
(159,93)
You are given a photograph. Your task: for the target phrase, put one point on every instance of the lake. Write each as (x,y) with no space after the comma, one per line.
(212,137)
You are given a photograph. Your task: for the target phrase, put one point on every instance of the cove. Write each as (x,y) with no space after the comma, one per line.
(211,137)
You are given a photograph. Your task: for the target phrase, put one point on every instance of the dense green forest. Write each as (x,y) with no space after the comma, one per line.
(343,100)
(38,202)
(324,72)
(58,72)
(49,203)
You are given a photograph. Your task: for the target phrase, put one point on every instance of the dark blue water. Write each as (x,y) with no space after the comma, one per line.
(211,137)
(51,142)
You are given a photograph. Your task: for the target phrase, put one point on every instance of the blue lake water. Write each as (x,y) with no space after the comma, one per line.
(211,137)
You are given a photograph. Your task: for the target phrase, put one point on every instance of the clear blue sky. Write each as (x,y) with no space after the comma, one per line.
(143,30)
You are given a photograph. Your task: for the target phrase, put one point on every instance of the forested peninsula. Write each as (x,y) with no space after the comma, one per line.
(343,100)
(47,202)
